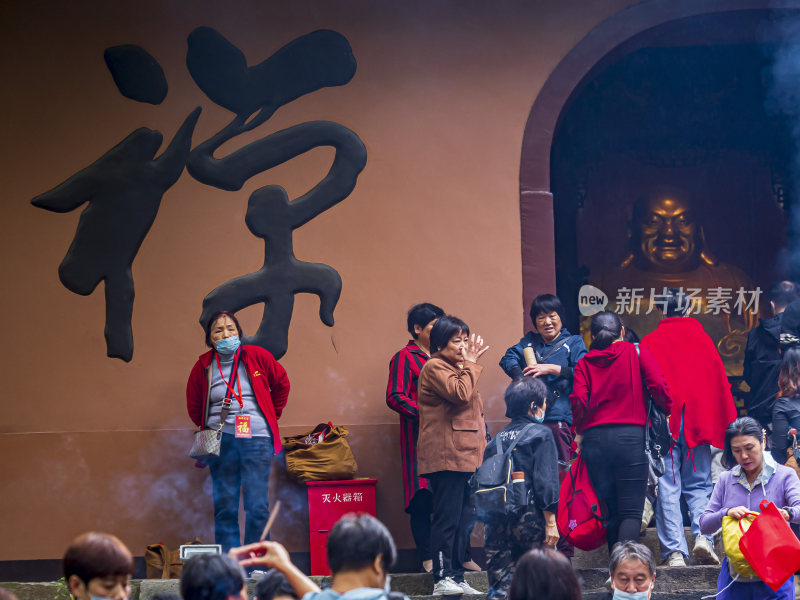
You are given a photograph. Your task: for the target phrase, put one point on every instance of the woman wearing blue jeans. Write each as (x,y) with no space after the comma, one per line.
(246,388)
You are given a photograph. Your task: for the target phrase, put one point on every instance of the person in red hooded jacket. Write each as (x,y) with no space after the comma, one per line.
(609,411)
(702,409)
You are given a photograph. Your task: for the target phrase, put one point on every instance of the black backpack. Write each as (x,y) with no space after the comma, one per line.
(657,437)
(494,494)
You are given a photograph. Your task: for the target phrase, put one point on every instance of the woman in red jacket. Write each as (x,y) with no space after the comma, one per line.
(609,411)
(246,388)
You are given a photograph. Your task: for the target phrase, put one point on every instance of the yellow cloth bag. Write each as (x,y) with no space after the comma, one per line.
(731,534)
(322,454)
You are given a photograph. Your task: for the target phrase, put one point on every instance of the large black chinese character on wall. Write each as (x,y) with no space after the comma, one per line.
(123,189)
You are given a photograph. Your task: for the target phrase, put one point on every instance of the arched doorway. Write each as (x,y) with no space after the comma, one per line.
(659,23)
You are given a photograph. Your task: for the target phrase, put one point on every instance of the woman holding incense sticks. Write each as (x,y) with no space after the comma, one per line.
(245,389)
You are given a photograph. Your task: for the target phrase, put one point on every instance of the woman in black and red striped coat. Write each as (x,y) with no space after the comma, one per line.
(401,397)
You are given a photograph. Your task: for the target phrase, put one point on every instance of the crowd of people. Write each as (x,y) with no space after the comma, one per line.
(563,400)
(360,552)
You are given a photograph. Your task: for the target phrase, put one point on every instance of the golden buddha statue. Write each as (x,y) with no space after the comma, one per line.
(668,249)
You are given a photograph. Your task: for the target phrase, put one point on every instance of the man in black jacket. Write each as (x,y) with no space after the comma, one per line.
(508,537)
(762,357)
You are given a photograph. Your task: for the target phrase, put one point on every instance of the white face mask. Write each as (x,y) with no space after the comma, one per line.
(623,595)
(387,586)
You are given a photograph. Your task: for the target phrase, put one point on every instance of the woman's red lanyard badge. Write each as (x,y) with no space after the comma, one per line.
(242,423)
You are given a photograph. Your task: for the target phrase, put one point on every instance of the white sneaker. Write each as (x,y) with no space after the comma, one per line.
(703,552)
(447,587)
(675,560)
(468,589)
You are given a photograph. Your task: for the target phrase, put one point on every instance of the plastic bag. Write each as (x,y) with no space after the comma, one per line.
(771,547)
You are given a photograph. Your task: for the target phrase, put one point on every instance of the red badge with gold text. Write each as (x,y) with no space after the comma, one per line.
(243,426)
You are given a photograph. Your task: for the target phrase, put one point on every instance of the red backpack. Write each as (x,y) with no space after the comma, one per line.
(580,518)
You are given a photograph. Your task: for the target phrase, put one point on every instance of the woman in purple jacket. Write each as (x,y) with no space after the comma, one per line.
(752,475)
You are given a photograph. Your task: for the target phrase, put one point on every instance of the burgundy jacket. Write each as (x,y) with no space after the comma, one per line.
(267,378)
(401,397)
(607,389)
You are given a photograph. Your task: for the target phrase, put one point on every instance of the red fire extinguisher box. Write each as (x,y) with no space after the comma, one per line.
(328,501)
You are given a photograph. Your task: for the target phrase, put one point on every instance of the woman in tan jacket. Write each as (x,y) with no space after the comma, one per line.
(452,437)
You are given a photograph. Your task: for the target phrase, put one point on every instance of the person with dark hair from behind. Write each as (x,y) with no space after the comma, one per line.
(360,552)
(213,577)
(98,565)
(401,397)
(632,571)
(702,407)
(762,355)
(610,411)
(508,537)
(544,574)
(273,585)
(786,413)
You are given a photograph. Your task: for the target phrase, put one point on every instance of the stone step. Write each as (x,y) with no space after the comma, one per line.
(672,583)
(668,579)
(419,586)
(599,558)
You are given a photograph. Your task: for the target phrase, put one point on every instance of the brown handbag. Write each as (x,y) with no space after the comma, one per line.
(163,563)
(323,454)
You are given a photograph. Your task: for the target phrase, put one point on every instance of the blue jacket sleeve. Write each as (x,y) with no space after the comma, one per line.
(513,362)
(576,350)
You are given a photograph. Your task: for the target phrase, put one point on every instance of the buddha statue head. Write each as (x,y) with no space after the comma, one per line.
(664,232)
